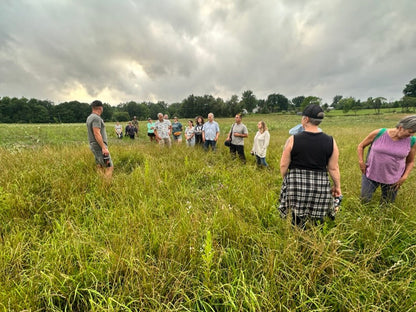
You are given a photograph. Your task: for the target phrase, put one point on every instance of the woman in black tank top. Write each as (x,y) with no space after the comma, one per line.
(307,159)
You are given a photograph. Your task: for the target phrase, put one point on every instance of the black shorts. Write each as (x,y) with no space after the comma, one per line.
(152,135)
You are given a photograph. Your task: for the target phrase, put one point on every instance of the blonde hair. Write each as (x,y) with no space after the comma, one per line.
(263,126)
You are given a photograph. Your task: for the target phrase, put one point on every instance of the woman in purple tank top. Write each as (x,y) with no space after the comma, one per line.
(389,161)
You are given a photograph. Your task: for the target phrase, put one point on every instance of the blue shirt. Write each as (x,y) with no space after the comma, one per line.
(211,129)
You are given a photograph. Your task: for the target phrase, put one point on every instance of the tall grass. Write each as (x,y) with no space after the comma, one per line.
(183,230)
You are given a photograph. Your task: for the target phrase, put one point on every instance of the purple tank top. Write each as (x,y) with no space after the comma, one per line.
(387,159)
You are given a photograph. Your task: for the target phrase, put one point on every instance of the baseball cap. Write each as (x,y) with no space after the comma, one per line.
(96,103)
(313,111)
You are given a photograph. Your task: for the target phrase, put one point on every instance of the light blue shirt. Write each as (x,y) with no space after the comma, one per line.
(211,129)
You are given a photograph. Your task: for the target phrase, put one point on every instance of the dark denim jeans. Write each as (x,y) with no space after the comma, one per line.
(211,143)
(368,187)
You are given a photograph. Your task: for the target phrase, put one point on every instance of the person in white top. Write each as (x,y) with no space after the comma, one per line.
(261,142)
(119,130)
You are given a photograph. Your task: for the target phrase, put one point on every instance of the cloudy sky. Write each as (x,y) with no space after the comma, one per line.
(165,50)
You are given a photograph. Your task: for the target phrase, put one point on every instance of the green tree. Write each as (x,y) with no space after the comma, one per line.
(356,106)
(175,110)
(71,112)
(408,102)
(369,103)
(233,106)
(5,109)
(248,101)
(346,104)
(378,103)
(277,102)
(262,107)
(107,114)
(155,108)
(133,109)
(272,102)
(121,116)
(410,89)
(335,101)
(297,101)
(310,100)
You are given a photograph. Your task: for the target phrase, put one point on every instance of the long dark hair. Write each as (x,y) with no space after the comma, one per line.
(202,119)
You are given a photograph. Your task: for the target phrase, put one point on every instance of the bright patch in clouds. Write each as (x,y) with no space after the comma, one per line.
(166,50)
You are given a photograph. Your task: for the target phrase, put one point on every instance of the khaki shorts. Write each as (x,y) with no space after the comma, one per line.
(98,154)
(165,141)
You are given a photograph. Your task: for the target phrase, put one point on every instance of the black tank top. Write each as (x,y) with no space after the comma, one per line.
(311,151)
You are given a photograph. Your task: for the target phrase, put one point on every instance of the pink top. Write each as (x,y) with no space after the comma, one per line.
(386,161)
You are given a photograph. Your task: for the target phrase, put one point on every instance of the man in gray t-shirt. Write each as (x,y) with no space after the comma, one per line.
(237,134)
(97,138)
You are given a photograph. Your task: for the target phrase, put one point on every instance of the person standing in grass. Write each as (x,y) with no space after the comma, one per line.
(199,125)
(190,134)
(166,117)
(130,130)
(119,130)
(210,133)
(389,161)
(151,129)
(135,124)
(97,138)
(307,159)
(237,134)
(261,142)
(163,130)
(177,130)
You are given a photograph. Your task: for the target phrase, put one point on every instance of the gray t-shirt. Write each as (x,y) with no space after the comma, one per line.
(95,121)
(242,129)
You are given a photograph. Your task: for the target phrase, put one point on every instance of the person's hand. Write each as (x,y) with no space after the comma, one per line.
(105,151)
(399,183)
(336,191)
(362,167)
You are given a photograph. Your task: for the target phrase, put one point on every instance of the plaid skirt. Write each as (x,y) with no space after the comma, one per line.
(307,193)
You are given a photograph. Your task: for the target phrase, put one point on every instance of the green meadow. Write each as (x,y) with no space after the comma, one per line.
(183,230)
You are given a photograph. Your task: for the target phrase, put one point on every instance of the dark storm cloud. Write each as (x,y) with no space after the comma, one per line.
(166,50)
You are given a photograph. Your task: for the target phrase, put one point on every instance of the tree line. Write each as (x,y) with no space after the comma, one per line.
(23,110)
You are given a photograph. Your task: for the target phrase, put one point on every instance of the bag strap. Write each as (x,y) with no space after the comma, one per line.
(379,134)
(412,140)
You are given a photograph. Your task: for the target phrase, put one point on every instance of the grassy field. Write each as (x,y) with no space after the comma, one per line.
(183,230)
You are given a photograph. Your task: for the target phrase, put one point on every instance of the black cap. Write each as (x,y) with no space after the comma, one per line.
(313,111)
(96,103)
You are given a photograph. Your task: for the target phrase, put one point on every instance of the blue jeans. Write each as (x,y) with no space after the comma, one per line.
(261,161)
(211,143)
(368,187)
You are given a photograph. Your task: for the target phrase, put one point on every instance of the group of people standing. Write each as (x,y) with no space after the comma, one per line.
(131,129)
(202,133)
(206,134)
(309,161)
